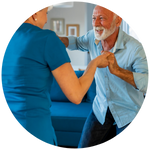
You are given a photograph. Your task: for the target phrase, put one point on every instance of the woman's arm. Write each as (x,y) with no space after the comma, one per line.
(75,88)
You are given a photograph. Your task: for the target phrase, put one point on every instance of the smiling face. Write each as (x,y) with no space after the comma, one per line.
(104,23)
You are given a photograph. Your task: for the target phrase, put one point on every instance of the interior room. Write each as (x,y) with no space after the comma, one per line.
(65,119)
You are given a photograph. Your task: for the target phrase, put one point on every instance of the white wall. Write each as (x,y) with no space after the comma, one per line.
(74,15)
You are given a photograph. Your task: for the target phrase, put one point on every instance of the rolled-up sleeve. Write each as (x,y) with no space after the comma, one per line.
(72,43)
(80,43)
(140,67)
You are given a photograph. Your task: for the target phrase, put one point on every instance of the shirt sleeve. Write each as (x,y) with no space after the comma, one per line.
(79,43)
(140,67)
(55,52)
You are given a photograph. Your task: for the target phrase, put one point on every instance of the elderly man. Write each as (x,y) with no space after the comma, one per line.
(121,85)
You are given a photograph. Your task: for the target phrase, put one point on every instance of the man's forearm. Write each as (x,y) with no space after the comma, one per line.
(125,75)
(65,40)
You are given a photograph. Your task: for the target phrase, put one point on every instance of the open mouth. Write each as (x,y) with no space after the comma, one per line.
(99,31)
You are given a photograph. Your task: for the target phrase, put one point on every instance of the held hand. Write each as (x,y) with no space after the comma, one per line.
(102,60)
(113,65)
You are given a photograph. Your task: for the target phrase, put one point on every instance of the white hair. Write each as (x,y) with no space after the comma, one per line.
(116,14)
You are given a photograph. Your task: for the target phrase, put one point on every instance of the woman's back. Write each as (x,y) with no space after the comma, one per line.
(25,72)
(27,78)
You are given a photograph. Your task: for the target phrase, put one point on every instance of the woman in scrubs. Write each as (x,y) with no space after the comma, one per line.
(33,57)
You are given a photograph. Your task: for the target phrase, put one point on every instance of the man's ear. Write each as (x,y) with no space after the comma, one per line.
(34,17)
(118,21)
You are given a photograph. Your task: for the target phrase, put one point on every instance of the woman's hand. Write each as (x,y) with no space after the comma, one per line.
(102,60)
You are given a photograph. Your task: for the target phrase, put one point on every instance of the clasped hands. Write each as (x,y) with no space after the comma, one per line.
(108,59)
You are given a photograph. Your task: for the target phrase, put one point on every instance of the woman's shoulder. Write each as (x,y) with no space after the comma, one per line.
(48,32)
(45,33)
(36,31)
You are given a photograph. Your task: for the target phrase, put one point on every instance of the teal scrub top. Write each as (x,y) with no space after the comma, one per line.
(31,55)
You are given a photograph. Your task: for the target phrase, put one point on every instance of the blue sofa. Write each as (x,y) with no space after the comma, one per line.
(68,118)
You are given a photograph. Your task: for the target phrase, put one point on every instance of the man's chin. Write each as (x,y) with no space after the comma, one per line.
(99,38)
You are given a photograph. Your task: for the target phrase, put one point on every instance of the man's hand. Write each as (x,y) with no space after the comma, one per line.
(124,74)
(102,60)
(113,65)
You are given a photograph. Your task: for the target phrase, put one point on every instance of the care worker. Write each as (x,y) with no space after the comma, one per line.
(33,57)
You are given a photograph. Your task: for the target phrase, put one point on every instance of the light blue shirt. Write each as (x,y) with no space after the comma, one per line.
(123,100)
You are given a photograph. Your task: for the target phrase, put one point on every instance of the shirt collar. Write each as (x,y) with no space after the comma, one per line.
(119,44)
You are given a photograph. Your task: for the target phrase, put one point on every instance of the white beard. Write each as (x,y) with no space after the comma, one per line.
(106,32)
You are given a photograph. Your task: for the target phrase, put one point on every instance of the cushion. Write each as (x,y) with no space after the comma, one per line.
(69,117)
(56,93)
